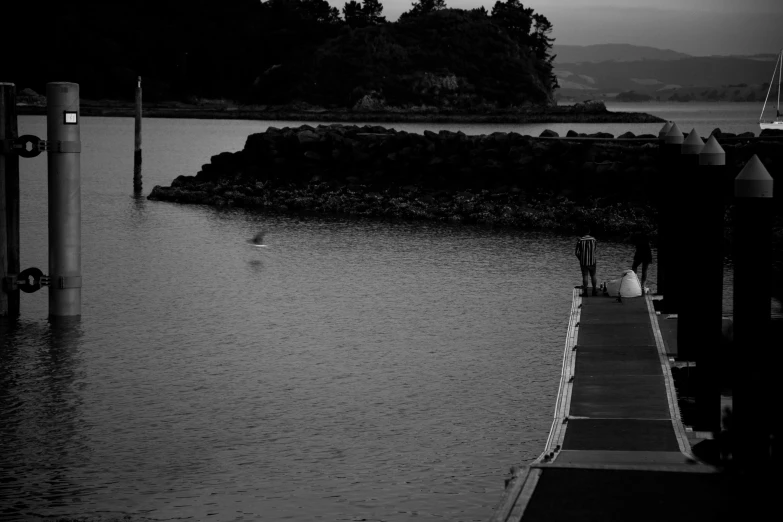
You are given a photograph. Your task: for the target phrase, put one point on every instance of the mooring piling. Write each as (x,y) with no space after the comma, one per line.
(687,196)
(64,148)
(699,334)
(9,202)
(137,140)
(752,252)
(668,212)
(660,204)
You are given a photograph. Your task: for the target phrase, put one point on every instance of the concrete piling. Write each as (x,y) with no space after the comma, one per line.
(64,175)
(686,193)
(668,212)
(752,253)
(660,202)
(699,327)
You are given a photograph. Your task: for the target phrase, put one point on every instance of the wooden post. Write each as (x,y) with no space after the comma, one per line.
(667,215)
(753,408)
(137,141)
(9,200)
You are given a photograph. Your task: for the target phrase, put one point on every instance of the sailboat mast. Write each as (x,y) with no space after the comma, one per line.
(771,81)
(780,75)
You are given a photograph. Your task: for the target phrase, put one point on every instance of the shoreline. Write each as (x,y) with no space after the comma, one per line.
(560,114)
(412,204)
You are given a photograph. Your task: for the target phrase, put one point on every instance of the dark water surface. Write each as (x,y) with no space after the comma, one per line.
(351,370)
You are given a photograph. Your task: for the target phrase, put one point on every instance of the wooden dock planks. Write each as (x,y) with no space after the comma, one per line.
(617,449)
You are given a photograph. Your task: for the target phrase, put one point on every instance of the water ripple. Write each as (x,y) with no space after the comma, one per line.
(350,370)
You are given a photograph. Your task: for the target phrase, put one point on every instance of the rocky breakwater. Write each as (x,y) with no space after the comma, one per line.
(503,179)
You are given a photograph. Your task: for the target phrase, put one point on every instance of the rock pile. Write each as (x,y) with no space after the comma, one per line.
(501,178)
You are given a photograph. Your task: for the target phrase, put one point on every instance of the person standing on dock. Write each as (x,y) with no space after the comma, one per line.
(642,256)
(585,252)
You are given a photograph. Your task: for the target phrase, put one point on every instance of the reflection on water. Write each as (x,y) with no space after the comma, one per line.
(256,265)
(41,413)
(353,369)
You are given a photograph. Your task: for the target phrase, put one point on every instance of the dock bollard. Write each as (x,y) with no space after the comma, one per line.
(699,326)
(683,234)
(137,140)
(668,214)
(65,241)
(752,239)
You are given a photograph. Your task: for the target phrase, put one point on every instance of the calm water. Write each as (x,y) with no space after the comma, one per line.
(351,370)
(704,117)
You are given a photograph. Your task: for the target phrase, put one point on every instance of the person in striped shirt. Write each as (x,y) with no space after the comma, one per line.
(585,252)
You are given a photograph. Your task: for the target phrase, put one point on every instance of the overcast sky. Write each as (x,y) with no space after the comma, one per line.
(698,27)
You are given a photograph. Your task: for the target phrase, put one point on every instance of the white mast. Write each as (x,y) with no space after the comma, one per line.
(780,75)
(771,81)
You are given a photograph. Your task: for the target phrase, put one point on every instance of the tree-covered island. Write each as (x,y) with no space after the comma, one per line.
(264,59)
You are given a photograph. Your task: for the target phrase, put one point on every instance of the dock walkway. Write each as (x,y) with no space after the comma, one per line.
(618,449)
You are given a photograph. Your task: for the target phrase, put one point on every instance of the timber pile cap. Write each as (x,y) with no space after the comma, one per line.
(664,130)
(693,144)
(753,181)
(712,153)
(674,136)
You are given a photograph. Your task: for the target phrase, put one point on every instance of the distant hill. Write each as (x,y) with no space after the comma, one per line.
(691,78)
(612,52)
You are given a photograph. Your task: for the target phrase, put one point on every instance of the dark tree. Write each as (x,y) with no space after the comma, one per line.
(422,7)
(530,30)
(373,10)
(451,58)
(352,12)
(542,45)
(515,19)
(358,15)
(291,31)
(318,11)
(278,51)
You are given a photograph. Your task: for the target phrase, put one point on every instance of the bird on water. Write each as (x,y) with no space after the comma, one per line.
(258,239)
